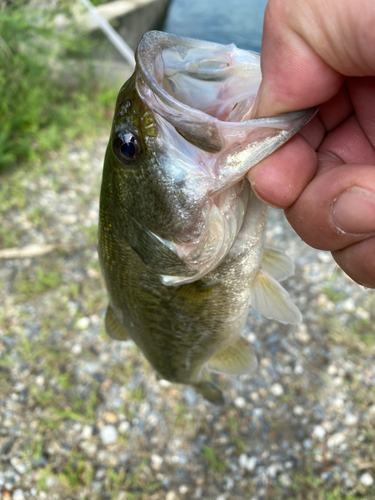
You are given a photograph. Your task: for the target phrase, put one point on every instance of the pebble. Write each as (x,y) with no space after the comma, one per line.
(183,489)
(110,418)
(319,432)
(298,410)
(124,427)
(18,495)
(77,349)
(366,479)
(240,402)
(285,480)
(336,439)
(83,323)
(248,463)
(108,434)
(171,495)
(87,431)
(277,389)
(302,335)
(350,419)
(273,469)
(156,461)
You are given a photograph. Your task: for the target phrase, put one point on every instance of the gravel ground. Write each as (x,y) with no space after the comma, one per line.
(84,417)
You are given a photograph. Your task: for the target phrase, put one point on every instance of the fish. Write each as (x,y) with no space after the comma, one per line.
(181,233)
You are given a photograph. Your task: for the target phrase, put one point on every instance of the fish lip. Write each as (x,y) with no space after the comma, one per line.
(151,46)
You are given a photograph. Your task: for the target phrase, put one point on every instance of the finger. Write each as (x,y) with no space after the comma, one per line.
(358,262)
(349,143)
(337,209)
(279,179)
(307,48)
(362,95)
(294,75)
(336,110)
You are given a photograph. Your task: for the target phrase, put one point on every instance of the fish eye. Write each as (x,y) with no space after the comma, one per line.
(127,148)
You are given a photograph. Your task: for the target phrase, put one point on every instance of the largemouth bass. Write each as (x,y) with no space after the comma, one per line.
(181,234)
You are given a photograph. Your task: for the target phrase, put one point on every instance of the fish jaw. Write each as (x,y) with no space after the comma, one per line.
(200,96)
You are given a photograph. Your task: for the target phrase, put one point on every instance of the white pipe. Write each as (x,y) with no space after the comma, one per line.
(110,33)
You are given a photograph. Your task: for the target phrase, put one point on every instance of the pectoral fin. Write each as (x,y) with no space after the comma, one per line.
(277,263)
(237,358)
(113,327)
(270,299)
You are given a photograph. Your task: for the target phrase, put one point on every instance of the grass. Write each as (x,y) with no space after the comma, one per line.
(40,111)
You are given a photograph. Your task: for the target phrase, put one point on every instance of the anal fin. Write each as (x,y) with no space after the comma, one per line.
(209,390)
(272,300)
(113,327)
(237,358)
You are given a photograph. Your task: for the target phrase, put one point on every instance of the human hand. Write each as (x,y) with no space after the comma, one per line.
(316,52)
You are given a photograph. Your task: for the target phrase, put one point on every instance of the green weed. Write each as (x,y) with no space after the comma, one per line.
(39,110)
(210,455)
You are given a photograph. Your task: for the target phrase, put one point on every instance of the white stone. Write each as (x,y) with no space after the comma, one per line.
(319,432)
(338,402)
(366,479)
(18,495)
(171,495)
(183,489)
(86,432)
(156,461)
(348,305)
(298,410)
(302,334)
(285,480)
(83,323)
(273,469)
(39,380)
(89,448)
(77,349)
(248,463)
(298,369)
(124,427)
(108,434)
(198,493)
(332,370)
(252,338)
(229,483)
(350,419)
(20,467)
(336,439)
(165,384)
(277,389)
(325,257)
(240,402)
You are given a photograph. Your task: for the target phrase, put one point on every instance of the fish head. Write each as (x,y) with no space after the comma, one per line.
(182,142)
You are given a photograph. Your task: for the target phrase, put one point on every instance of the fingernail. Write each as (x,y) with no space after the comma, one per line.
(354,211)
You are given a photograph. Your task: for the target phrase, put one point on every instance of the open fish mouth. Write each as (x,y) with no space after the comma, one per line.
(207,90)
(201,95)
